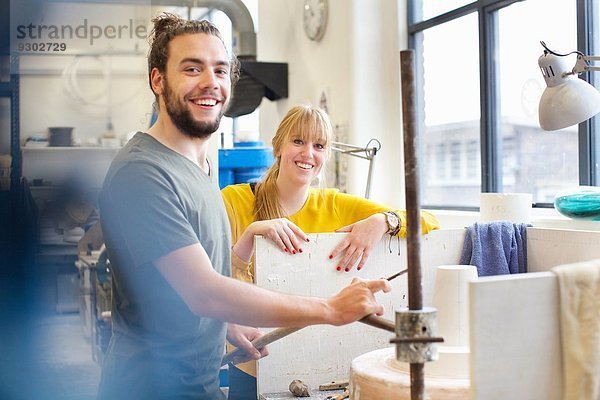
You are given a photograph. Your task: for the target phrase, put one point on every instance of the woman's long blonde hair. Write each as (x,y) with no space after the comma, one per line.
(302,121)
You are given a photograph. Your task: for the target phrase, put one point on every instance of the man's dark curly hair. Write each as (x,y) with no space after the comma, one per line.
(168,26)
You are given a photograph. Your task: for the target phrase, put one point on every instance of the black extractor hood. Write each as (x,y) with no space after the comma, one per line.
(258,80)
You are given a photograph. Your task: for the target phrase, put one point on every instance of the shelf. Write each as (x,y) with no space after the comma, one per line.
(71,148)
(45,187)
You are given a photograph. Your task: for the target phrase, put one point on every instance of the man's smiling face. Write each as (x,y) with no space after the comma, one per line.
(196,85)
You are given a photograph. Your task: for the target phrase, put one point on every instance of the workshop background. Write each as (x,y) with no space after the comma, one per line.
(65,113)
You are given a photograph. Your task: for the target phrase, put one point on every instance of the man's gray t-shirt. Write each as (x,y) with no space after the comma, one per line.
(155,201)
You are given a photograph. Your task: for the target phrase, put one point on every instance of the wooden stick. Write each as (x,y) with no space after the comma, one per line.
(261,342)
(396,275)
(280,333)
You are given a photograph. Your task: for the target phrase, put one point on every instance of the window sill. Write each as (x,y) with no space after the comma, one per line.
(540,218)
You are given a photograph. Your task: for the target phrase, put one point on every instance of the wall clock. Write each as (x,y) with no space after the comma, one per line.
(315,18)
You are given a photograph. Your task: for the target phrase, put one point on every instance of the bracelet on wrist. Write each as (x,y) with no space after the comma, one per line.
(393,222)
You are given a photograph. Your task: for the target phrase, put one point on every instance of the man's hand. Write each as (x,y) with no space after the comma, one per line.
(357,301)
(362,238)
(241,336)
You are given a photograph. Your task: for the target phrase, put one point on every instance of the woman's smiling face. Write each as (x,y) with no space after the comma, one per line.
(302,158)
(302,145)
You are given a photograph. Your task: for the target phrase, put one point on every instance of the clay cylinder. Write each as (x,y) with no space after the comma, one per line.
(451,299)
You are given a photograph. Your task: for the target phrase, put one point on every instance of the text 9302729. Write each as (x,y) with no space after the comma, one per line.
(41,47)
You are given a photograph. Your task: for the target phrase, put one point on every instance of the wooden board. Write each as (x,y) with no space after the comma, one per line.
(515,337)
(547,248)
(323,353)
(514,320)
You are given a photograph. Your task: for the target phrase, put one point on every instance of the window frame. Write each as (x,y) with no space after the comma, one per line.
(490,146)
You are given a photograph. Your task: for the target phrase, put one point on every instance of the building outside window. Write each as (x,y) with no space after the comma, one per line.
(480,86)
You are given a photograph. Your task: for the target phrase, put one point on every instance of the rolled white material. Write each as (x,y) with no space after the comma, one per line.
(375,376)
(513,207)
(379,375)
(450,297)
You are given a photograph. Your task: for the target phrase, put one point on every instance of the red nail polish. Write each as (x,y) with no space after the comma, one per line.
(358,268)
(330,256)
(307,239)
(339,268)
(293,251)
(347,269)
(300,250)
(285,250)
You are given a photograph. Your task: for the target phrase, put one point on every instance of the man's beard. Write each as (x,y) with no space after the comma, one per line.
(183,119)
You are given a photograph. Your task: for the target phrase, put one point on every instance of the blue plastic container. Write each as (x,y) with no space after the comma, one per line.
(246,162)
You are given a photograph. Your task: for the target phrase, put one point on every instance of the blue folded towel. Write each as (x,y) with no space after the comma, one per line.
(496,248)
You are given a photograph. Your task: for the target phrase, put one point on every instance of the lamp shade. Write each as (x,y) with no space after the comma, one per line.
(567,100)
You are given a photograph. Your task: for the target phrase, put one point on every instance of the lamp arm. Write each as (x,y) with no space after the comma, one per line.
(347,146)
(370,151)
(369,177)
(355,153)
(582,64)
(366,153)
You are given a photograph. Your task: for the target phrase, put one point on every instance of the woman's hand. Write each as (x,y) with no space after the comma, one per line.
(363,237)
(281,231)
(241,337)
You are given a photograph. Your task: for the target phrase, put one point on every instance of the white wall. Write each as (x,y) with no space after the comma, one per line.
(357,65)
(51,97)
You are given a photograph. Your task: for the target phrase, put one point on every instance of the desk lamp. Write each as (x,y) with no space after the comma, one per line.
(567,100)
(367,153)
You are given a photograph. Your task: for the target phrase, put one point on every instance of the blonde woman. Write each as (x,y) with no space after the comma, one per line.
(284,208)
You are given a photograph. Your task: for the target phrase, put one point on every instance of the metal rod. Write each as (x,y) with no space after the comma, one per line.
(429,339)
(411,174)
(369,177)
(417,381)
(413,210)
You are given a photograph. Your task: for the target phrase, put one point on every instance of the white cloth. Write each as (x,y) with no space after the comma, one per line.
(579,286)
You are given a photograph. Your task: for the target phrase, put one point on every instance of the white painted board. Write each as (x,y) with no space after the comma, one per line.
(547,248)
(514,320)
(515,337)
(319,354)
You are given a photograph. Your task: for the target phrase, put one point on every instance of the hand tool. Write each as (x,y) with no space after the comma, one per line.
(334,385)
(279,333)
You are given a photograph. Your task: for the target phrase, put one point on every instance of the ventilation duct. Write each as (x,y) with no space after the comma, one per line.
(257,79)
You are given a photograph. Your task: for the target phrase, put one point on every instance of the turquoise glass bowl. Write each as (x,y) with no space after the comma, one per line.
(583,203)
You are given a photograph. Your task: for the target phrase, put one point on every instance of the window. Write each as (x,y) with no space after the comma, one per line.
(433,8)
(472,160)
(479,93)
